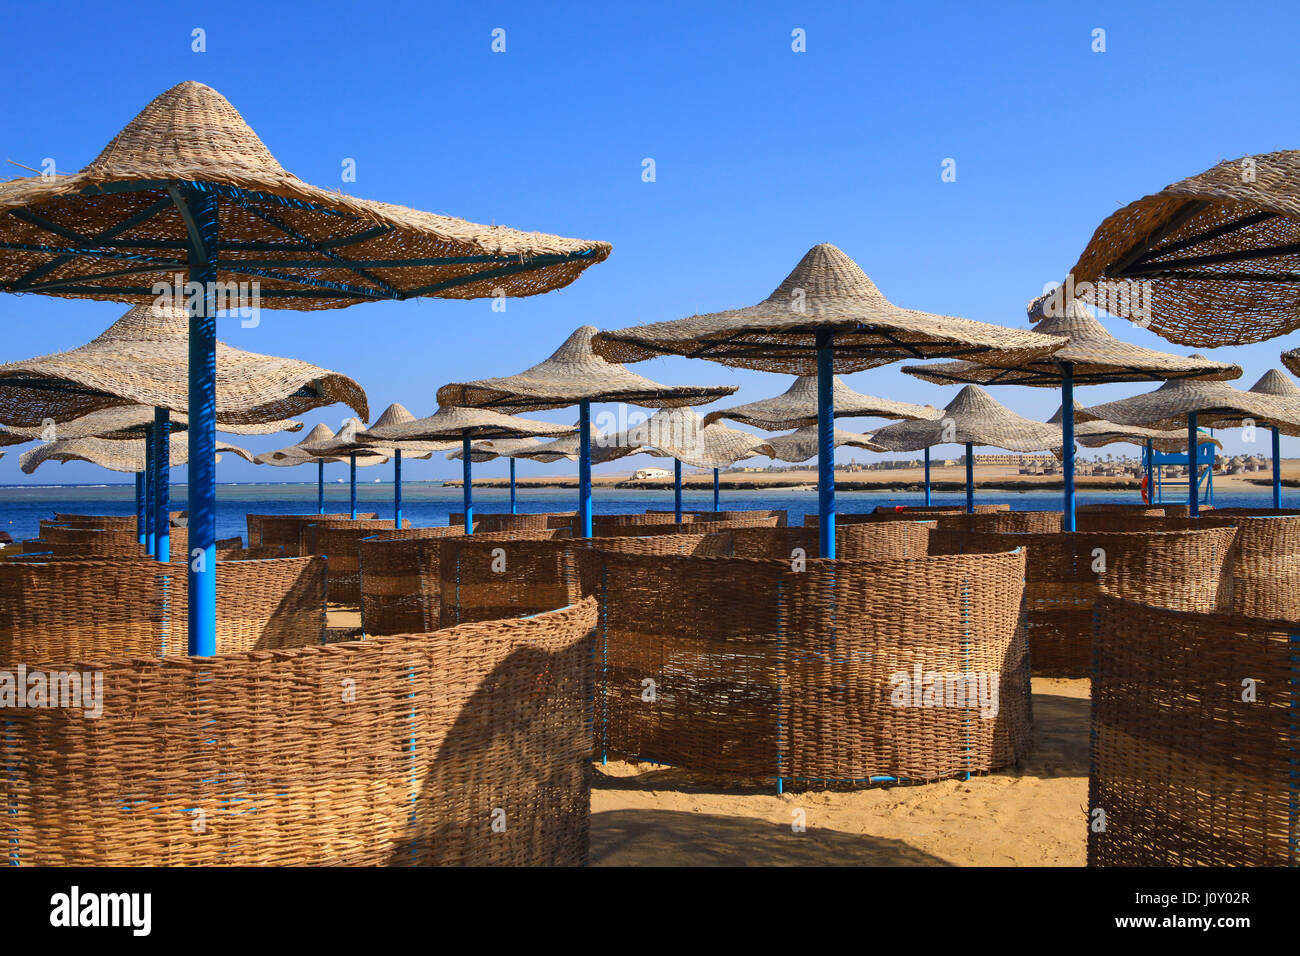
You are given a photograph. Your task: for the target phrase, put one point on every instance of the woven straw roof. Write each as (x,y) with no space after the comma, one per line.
(453,422)
(826,292)
(143,359)
(552,450)
(394,414)
(1096,433)
(797,407)
(1096,355)
(973,417)
(1273,382)
(1220,251)
(491,448)
(348,247)
(126,455)
(1291,360)
(1216,403)
(350,440)
(575,373)
(801,445)
(125,422)
(300,454)
(681,434)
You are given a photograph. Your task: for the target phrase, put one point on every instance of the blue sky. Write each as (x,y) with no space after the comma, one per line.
(760,153)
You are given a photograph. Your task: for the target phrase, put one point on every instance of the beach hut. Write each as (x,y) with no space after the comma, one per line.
(1207,261)
(1193,403)
(450,423)
(825,317)
(575,375)
(188,189)
(797,408)
(1092,357)
(972,418)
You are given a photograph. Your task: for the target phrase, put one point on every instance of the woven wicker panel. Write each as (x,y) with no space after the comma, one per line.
(397,751)
(284,531)
(338,542)
(126,522)
(759,670)
(1130,519)
(781,514)
(650,517)
(486,580)
(1187,570)
(493,522)
(1186,772)
(400,584)
(1031,522)
(686,527)
(60,612)
(875,541)
(89,543)
(1266,567)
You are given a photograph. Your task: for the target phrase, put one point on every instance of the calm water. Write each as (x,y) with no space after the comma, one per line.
(425,504)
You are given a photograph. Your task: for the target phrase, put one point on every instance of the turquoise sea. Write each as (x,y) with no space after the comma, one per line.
(429,503)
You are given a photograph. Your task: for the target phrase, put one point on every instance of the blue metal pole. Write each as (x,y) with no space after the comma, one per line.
(970,478)
(1067,439)
(717,499)
(825,445)
(467,473)
(1150,465)
(677,490)
(150,532)
(514,504)
(1277,469)
(199,208)
(927,477)
(140,534)
(320,486)
(584,467)
(352,462)
(1193,498)
(397,489)
(162,496)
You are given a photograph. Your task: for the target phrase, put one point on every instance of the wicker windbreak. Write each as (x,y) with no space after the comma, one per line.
(1028,521)
(73,542)
(338,542)
(64,612)
(1265,566)
(489,580)
(879,541)
(843,673)
(467,746)
(285,531)
(1065,573)
(1194,746)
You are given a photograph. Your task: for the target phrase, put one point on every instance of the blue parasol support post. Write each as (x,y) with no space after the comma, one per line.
(162,494)
(140,534)
(825,445)
(352,483)
(467,473)
(1067,440)
(514,503)
(397,489)
(970,478)
(1193,497)
(1277,469)
(320,486)
(150,532)
(677,490)
(717,498)
(584,467)
(1151,465)
(198,208)
(927,477)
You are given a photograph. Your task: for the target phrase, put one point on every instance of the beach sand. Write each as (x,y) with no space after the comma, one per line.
(1030,815)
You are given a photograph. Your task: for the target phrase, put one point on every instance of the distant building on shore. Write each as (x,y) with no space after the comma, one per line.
(651,474)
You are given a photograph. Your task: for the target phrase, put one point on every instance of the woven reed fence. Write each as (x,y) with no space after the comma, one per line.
(89,543)
(1064,574)
(1266,567)
(485,580)
(62,612)
(466,746)
(400,583)
(338,541)
(873,541)
(782,515)
(745,668)
(909,513)
(1130,519)
(686,527)
(650,517)
(491,523)
(285,531)
(1185,768)
(1029,522)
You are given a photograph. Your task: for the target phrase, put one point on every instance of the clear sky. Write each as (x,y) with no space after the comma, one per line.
(760,153)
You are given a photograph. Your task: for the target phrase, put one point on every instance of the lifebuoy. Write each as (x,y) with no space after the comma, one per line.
(1146,498)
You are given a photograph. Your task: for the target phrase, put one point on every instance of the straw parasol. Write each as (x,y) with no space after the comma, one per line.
(300,454)
(1096,433)
(801,444)
(530,448)
(825,317)
(972,418)
(796,407)
(454,422)
(187,195)
(1274,383)
(575,375)
(1214,404)
(397,414)
(1291,360)
(121,455)
(1092,357)
(1211,260)
(124,422)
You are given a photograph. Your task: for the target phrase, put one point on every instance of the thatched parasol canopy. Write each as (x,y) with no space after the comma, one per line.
(1097,433)
(680,433)
(797,407)
(123,455)
(309,248)
(301,454)
(143,359)
(123,422)
(801,444)
(454,422)
(973,417)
